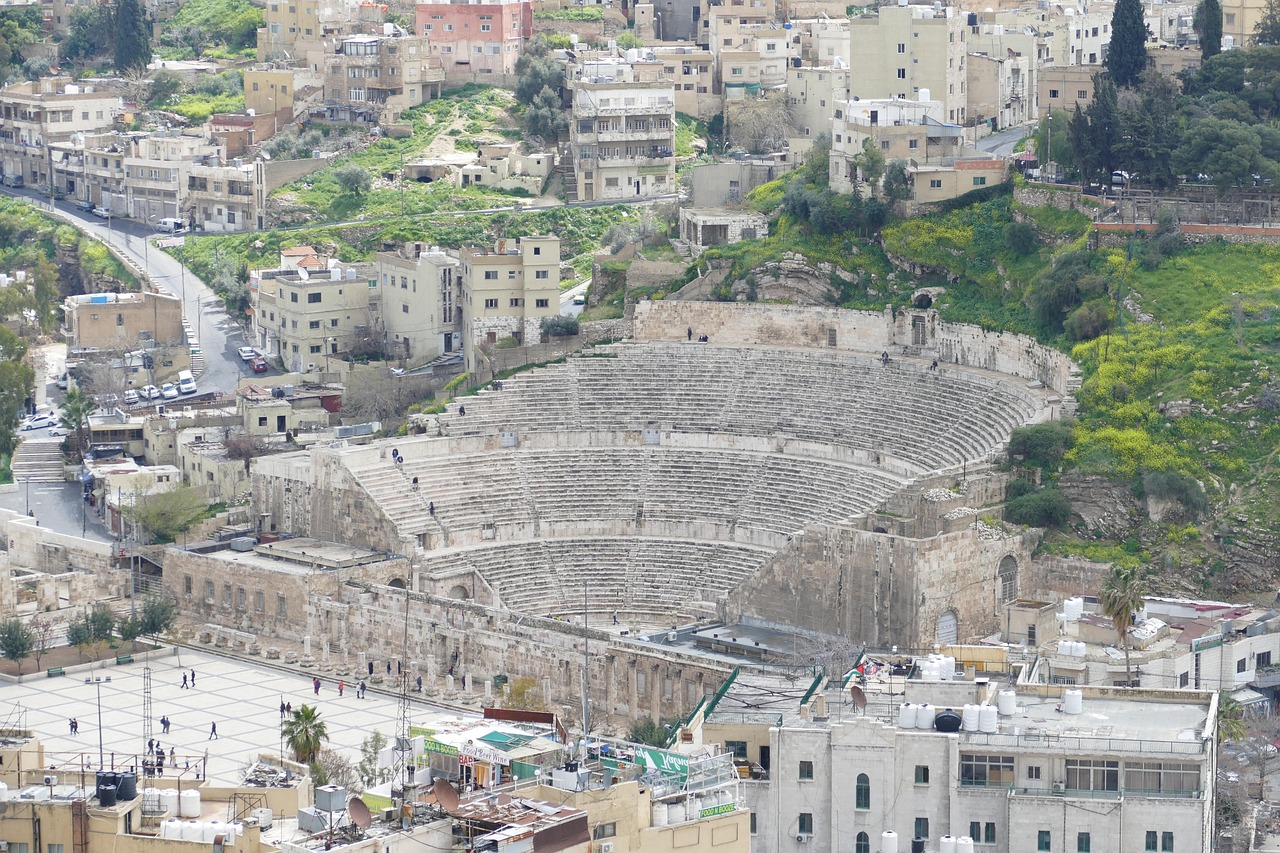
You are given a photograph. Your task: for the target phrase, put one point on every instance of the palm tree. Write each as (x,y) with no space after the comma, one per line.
(1121,597)
(305,733)
(76,408)
(1230,718)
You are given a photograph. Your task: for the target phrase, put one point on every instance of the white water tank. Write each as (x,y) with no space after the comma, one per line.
(659,814)
(171,828)
(1077,649)
(4,792)
(1073,702)
(888,841)
(988,719)
(213,829)
(1074,609)
(924,716)
(234,831)
(947,670)
(969,718)
(189,804)
(907,715)
(964,844)
(675,812)
(169,801)
(1007,702)
(947,844)
(1064,648)
(192,830)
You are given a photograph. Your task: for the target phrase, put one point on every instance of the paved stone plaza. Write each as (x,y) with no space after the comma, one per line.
(243,699)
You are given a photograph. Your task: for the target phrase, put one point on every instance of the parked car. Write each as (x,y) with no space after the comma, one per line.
(40,422)
(169,391)
(104,212)
(259,365)
(57,431)
(247,353)
(131,397)
(84,204)
(12,180)
(62,382)
(150,392)
(186,382)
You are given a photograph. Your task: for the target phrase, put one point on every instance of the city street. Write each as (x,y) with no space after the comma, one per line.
(1001,144)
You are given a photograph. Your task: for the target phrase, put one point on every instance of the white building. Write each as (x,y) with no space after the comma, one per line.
(414,308)
(1047,769)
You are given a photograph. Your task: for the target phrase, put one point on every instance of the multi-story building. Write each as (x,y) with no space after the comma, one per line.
(622,130)
(910,130)
(507,290)
(309,318)
(911,52)
(122,321)
(414,308)
(692,70)
(38,114)
(1001,88)
(1042,768)
(225,197)
(1061,89)
(374,78)
(751,58)
(815,94)
(1240,19)
(290,26)
(473,40)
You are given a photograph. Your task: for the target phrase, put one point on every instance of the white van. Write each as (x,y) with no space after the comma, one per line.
(171,225)
(186,382)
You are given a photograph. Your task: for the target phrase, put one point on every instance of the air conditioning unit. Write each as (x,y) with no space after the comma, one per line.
(1059,788)
(605,847)
(51,780)
(803,839)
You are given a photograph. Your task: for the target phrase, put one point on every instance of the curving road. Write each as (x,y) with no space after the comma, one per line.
(219,335)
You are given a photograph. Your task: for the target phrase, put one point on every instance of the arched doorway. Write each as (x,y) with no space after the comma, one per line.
(947,630)
(1007,579)
(398,583)
(459,593)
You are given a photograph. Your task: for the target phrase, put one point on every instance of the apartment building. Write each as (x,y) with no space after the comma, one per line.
(310,317)
(1001,88)
(473,40)
(622,130)
(960,763)
(225,196)
(1060,88)
(36,115)
(290,26)
(413,309)
(374,78)
(815,94)
(744,12)
(751,58)
(821,40)
(903,130)
(122,321)
(507,290)
(692,71)
(1239,21)
(903,51)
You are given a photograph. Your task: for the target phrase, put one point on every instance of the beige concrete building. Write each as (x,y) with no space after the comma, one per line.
(1240,19)
(414,310)
(507,290)
(622,131)
(911,52)
(751,58)
(267,411)
(906,130)
(123,321)
(693,71)
(37,114)
(205,465)
(1000,88)
(307,317)
(290,26)
(815,94)
(373,78)
(225,197)
(1061,88)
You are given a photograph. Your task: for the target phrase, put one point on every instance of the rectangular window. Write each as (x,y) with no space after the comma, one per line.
(293,297)
(1263,660)
(241,595)
(806,823)
(404,309)
(314,324)
(1092,774)
(902,74)
(922,827)
(975,830)
(541,274)
(989,833)
(1184,679)
(1033,771)
(913,144)
(980,182)
(186,584)
(315,349)
(282,605)
(994,771)
(806,769)
(55,848)
(605,830)
(738,748)
(1158,777)
(922,774)
(1082,94)
(491,303)
(516,302)
(1044,840)
(314,298)
(542,303)
(902,48)
(1150,846)
(753,823)
(1166,842)
(1240,665)
(259,602)
(1082,842)
(1053,93)
(490,275)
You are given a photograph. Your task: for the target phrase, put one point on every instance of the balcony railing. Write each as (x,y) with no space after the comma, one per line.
(1076,793)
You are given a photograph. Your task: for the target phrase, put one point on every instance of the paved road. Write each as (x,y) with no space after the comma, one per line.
(218,334)
(1001,144)
(567,308)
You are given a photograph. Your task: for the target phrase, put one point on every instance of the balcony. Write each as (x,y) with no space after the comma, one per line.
(1058,791)
(634,160)
(626,135)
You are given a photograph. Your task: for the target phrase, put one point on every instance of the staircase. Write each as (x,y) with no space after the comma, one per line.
(38,460)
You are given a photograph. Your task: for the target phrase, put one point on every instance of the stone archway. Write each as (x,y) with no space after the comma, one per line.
(1007,579)
(947,629)
(398,583)
(459,593)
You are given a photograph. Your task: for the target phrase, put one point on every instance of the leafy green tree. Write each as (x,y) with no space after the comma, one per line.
(102,623)
(544,116)
(166,515)
(1231,724)
(1121,598)
(91,32)
(132,43)
(76,408)
(896,185)
(158,615)
(535,72)
(1150,132)
(1042,444)
(353,179)
(1127,55)
(1208,26)
(1043,508)
(1267,30)
(1229,151)
(130,628)
(80,635)
(17,640)
(367,770)
(1021,238)
(305,733)
(653,732)
(871,163)
(164,85)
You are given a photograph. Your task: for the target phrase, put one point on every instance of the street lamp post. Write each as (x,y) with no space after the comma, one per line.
(27,482)
(97,681)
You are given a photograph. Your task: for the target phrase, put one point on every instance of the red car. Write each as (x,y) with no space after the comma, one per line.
(259,365)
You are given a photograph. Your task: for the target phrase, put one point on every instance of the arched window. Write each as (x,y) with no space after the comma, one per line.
(947,629)
(862,792)
(1007,576)
(862,844)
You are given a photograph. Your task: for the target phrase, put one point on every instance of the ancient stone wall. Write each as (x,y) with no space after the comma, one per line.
(1063,198)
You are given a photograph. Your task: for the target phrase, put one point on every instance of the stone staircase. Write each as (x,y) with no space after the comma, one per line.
(38,460)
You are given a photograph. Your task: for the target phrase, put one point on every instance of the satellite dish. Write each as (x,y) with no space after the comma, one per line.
(359,812)
(446,795)
(858,698)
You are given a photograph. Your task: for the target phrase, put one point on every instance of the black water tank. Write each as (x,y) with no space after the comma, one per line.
(947,721)
(128,787)
(100,781)
(973,19)
(917,845)
(107,798)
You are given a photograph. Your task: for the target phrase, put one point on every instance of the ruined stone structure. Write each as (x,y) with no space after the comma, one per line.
(782,474)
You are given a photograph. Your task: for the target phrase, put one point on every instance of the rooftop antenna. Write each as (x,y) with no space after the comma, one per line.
(404,745)
(146,723)
(586,672)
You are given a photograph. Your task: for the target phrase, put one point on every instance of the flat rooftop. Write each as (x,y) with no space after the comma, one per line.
(241,697)
(318,552)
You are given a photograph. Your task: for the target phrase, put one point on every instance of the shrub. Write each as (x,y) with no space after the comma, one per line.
(1045,508)
(1020,237)
(1088,321)
(1017,488)
(1172,485)
(560,327)
(1042,444)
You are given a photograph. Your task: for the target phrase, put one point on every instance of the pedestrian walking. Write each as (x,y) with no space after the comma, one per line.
(151,745)
(342,685)
(75,726)
(615,617)
(360,691)
(173,756)
(462,410)
(289,708)
(213,731)
(690,333)
(71,725)
(431,508)
(388,667)
(419,683)
(315,685)
(282,709)
(184,681)
(193,678)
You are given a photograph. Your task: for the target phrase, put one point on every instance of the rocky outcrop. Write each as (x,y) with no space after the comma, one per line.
(794,279)
(1101,506)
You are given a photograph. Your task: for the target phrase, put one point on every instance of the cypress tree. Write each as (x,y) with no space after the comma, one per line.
(1127,56)
(1208,26)
(133,39)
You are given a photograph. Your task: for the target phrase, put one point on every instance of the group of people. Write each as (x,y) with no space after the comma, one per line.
(74,725)
(702,339)
(185,685)
(316,684)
